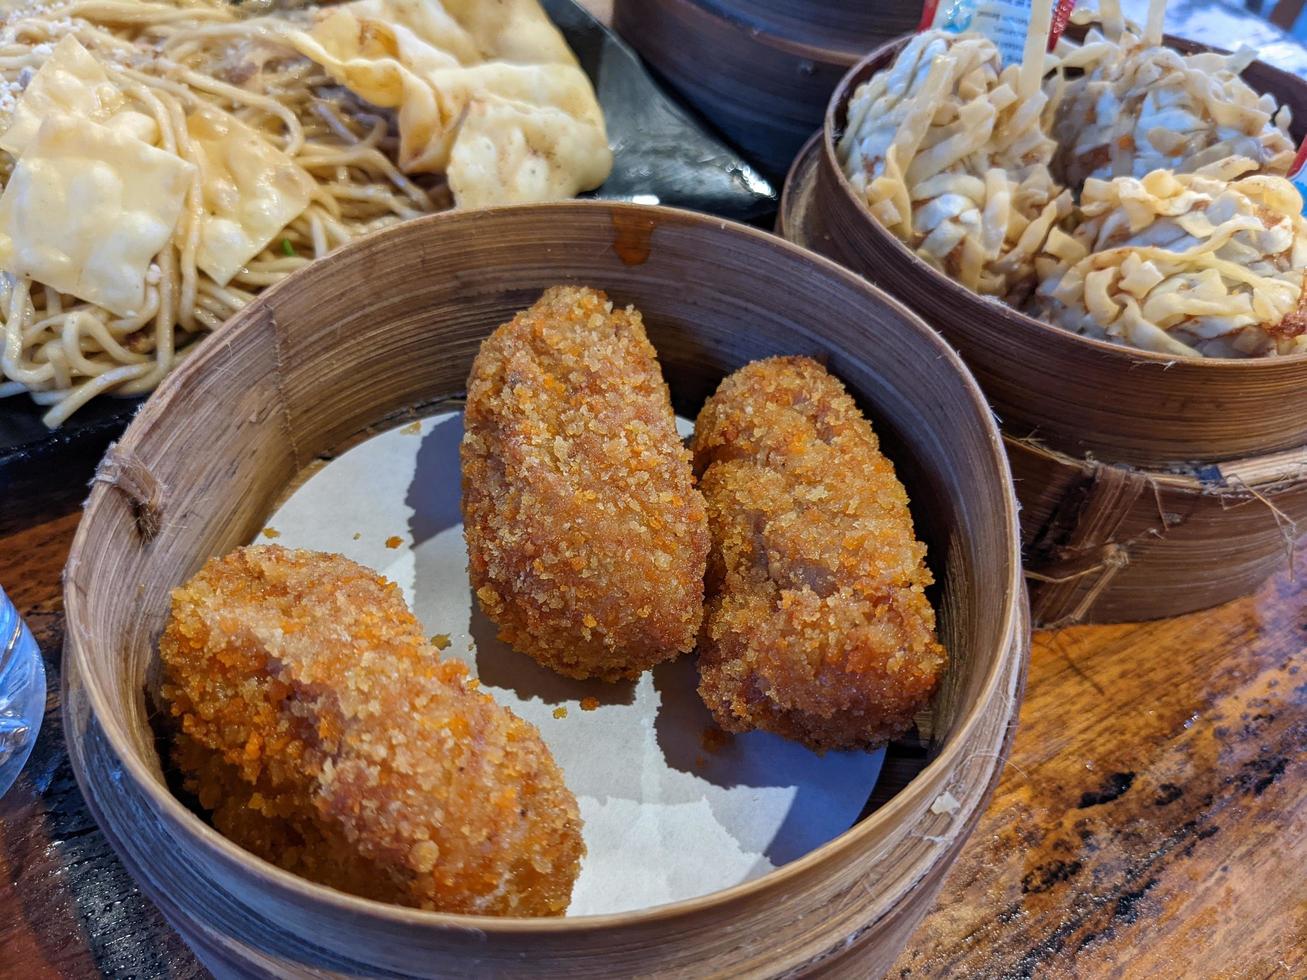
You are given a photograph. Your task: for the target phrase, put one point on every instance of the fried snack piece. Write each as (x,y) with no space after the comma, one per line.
(585,534)
(328,737)
(818,628)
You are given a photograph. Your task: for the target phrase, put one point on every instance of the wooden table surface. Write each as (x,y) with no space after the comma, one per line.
(1152,821)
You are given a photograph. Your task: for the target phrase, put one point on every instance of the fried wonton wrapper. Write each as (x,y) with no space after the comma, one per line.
(1207,264)
(1140,107)
(949,149)
(488,93)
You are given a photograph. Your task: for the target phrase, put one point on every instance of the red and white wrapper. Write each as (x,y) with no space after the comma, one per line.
(1005,22)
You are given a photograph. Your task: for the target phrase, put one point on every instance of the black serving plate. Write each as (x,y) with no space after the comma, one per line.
(44,474)
(662,155)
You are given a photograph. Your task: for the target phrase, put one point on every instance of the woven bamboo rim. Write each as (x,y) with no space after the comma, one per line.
(1074,393)
(1107,543)
(366,337)
(760,70)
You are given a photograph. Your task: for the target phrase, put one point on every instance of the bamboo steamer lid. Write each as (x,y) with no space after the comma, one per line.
(363,339)
(1075,394)
(760,70)
(1109,542)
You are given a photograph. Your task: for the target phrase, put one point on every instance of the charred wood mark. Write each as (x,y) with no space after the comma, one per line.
(1167,793)
(1258,775)
(1094,916)
(1117,785)
(1127,905)
(1203,834)
(1044,877)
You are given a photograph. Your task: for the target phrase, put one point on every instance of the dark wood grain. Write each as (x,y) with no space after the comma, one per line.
(1152,820)
(68,907)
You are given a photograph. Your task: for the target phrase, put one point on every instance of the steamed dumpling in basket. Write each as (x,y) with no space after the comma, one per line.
(1210,264)
(949,151)
(1140,107)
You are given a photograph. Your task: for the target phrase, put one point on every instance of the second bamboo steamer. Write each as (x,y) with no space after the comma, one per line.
(760,70)
(1150,486)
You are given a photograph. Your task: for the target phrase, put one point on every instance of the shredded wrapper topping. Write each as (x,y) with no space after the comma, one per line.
(1116,188)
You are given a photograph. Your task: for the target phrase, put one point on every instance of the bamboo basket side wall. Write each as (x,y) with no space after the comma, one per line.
(760,70)
(853,27)
(1110,543)
(392,323)
(151,532)
(1074,394)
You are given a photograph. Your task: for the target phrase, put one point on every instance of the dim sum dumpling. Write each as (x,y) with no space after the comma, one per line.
(535,140)
(72,81)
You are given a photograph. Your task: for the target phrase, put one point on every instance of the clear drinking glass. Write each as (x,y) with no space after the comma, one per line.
(22,692)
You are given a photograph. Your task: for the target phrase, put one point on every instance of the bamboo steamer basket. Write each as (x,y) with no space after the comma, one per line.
(1127,514)
(363,339)
(760,70)
(1076,394)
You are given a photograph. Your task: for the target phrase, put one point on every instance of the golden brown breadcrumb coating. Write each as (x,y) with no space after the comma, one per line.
(818,627)
(328,737)
(585,534)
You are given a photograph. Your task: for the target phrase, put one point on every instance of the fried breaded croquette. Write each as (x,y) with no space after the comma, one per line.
(328,737)
(818,627)
(585,535)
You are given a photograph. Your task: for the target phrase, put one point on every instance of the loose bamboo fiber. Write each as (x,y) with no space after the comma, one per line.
(1073,393)
(1108,543)
(1113,543)
(365,338)
(760,70)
